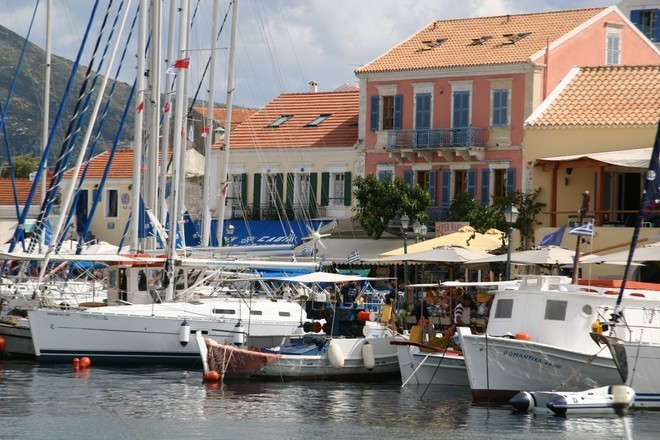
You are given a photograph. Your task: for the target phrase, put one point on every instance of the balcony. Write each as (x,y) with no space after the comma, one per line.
(272,212)
(445,142)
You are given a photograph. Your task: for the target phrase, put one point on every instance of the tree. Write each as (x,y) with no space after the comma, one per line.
(380,202)
(482,218)
(23,166)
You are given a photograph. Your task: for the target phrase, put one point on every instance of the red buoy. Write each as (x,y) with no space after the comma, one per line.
(212,376)
(85,362)
(3,346)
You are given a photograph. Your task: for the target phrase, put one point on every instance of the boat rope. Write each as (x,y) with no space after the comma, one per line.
(577,371)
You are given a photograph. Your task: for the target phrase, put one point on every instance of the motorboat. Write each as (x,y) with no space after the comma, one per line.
(613,399)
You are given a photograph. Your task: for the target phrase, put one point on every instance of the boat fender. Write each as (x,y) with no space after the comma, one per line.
(368,356)
(523,401)
(335,355)
(239,335)
(184,333)
(522,336)
(596,327)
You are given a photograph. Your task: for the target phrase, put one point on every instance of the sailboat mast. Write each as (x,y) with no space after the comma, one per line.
(176,152)
(167,116)
(46,119)
(208,129)
(137,138)
(230,94)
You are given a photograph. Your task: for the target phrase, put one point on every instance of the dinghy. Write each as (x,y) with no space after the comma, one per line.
(614,399)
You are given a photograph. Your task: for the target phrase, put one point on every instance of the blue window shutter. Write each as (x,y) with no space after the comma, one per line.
(472,182)
(485,186)
(433,176)
(408,177)
(375,102)
(423,111)
(636,18)
(500,106)
(398,102)
(461,109)
(446,182)
(510,180)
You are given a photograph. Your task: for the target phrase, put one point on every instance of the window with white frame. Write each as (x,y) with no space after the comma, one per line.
(385,173)
(301,188)
(234,189)
(336,189)
(111,203)
(460,182)
(613,45)
(269,190)
(499,182)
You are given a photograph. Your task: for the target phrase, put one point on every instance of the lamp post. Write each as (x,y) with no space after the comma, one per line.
(423,230)
(230,232)
(510,215)
(417,230)
(405,222)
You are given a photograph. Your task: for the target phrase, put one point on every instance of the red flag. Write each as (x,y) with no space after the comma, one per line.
(224,190)
(166,107)
(205,131)
(140,107)
(179,64)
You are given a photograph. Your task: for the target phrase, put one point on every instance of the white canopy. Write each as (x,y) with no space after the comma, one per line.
(325,277)
(635,158)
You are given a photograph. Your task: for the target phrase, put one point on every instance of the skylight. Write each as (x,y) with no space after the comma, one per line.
(481,40)
(279,121)
(432,44)
(513,38)
(318,120)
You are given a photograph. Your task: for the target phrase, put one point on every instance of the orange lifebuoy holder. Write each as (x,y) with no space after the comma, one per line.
(363,315)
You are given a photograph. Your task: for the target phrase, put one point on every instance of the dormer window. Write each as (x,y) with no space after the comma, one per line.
(514,38)
(318,120)
(432,44)
(279,121)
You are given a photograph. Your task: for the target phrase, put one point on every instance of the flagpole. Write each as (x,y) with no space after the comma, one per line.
(581,215)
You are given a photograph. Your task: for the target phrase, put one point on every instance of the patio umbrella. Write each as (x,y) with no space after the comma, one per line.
(648,252)
(465,237)
(551,255)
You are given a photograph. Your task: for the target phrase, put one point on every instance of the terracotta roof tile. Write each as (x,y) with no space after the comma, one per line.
(605,96)
(338,130)
(238,115)
(22,190)
(479,41)
(121,167)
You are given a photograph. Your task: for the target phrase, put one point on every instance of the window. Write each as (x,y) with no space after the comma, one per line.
(318,120)
(337,189)
(111,203)
(234,189)
(648,24)
(269,192)
(555,310)
(423,179)
(388,113)
(504,308)
(384,175)
(613,51)
(279,121)
(499,182)
(224,311)
(301,187)
(500,107)
(460,182)
(287,314)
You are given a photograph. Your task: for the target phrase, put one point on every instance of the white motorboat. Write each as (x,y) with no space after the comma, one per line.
(615,399)
(422,364)
(539,338)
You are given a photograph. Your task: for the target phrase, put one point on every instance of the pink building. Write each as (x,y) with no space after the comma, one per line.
(445,108)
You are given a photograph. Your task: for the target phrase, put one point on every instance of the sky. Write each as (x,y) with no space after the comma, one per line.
(282,45)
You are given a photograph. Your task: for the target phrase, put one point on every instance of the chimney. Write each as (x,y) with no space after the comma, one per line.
(312,87)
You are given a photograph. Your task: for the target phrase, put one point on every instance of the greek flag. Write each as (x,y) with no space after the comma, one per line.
(354,256)
(304,252)
(586,230)
(292,237)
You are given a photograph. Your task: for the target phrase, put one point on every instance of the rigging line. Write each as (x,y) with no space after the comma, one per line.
(75,124)
(208,63)
(19,232)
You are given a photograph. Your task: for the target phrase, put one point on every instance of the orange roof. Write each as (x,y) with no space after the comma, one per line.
(604,95)
(238,115)
(121,167)
(22,190)
(339,129)
(481,41)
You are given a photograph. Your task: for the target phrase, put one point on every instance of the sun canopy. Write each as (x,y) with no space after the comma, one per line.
(443,254)
(546,256)
(465,237)
(649,252)
(325,277)
(634,158)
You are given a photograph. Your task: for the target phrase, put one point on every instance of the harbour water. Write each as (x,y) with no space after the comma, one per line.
(56,402)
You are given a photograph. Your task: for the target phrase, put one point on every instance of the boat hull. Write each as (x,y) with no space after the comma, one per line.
(419,368)
(18,342)
(498,368)
(643,367)
(320,366)
(61,335)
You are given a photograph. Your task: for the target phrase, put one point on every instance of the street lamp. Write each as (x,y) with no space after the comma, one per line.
(405,222)
(510,216)
(417,230)
(230,232)
(423,230)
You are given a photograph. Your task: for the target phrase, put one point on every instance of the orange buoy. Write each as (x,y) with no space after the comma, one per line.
(212,376)
(363,315)
(85,362)
(523,336)
(317,327)
(3,345)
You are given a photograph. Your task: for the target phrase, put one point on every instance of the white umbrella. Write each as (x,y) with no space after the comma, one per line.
(324,277)
(442,254)
(649,252)
(551,255)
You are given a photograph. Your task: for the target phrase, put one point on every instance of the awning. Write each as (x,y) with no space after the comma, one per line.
(634,158)
(337,249)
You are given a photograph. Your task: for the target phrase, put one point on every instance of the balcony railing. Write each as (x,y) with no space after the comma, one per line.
(271,212)
(437,138)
